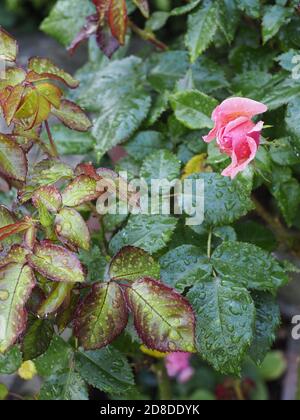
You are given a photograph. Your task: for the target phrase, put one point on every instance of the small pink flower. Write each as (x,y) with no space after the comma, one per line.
(178,366)
(236,133)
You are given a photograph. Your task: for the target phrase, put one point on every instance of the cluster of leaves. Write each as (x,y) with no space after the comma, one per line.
(210,288)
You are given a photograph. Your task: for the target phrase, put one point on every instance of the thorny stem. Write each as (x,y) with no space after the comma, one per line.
(163,380)
(52,143)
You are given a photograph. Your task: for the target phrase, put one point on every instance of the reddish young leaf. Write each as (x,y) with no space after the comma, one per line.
(12,103)
(48,70)
(117,19)
(8,46)
(56,298)
(143,5)
(87,169)
(90,28)
(18,227)
(49,196)
(133,264)
(71,227)
(16,284)
(72,116)
(13,162)
(56,263)
(106,41)
(101,317)
(164,320)
(81,190)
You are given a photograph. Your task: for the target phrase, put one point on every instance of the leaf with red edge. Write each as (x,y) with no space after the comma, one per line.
(143,5)
(51,93)
(13,162)
(56,263)
(48,70)
(72,116)
(71,227)
(16,284)
(8,218)
(132,264)
(17,227)
(12,103)
(81,190)
(8,46)
(50,196)
(117,19)
(13,77)
(17,254)
(164,319)
(101,317)
(89,29)
(106,41)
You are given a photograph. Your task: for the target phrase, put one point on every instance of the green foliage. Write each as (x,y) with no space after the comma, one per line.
(116,281)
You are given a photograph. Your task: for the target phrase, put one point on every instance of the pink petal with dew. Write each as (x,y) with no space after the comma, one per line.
(238,107)
(211,135)
(239,160)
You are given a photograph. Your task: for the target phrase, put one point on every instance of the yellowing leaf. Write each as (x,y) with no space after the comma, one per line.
(8,46)
(153,353)
(196,165)
(27,371)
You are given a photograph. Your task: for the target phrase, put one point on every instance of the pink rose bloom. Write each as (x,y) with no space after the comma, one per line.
(236,133)
(178,366)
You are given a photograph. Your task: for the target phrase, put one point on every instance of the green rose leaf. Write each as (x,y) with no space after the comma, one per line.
(274,18)
(248,266)
(65,387)
(101,317)
(56,263)
(225,200)
(49,196)
(16,284)
(37,338)
(267,323)
(193,109)
(106,369)
(59,294)
(184,266)
(163,318)
(225,322)
(66,20)
(132,264)
(161,165)
(152,233)
(71,227)
(10,361)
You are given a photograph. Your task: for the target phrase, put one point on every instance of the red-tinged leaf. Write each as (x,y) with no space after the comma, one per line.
(13,162)
(49,196)
(90,28)
(67,311)
(108,44)
(13,76)
(56,263)
(101,317)
(51,93)
(143,5)
(54,301)
(48,70)
(17,254)
(164,320)
(8,218)
(16,284)
(81,190)
(117,18)
(133,264)
(71,228)
(8,46)
(12,103)
(87,169)
(72,116)
(18,227)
